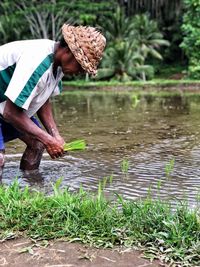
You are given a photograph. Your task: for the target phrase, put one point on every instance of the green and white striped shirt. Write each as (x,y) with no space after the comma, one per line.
(26,74)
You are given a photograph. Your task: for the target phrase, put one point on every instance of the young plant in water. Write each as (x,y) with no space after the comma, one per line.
(169,167)
(106,180)
(125,165)
(135,101)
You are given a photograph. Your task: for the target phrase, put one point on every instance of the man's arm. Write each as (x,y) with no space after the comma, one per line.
(15,115)
(46,117)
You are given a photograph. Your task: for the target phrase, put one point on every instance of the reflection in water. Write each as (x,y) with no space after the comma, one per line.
(147,130)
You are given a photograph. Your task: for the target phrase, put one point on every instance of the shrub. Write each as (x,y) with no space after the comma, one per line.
(191,40)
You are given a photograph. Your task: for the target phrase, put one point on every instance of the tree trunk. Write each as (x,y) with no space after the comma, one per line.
(157,8)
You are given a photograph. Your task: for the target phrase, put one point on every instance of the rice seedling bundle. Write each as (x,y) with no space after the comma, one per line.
(75,145)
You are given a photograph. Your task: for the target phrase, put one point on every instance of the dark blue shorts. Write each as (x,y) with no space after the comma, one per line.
(8,132)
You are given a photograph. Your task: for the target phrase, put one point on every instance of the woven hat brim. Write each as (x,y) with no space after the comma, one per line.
(74,37)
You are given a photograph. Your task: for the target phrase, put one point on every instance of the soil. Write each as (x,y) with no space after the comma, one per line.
(26,253)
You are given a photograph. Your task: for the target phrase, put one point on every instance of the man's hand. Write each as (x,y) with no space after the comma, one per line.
(55,147)
(60,139)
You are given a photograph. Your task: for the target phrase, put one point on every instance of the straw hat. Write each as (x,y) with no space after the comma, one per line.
(86,44)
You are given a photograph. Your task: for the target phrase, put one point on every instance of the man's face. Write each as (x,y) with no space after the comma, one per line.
(69,64)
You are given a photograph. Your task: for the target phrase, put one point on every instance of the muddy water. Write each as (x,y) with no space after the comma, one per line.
(147,131)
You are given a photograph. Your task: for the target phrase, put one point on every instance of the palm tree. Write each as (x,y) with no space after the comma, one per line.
(119,60)
(131,42)
(119,26)
(148,36)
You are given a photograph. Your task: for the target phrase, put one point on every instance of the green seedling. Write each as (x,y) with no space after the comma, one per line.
(135,101)
(169,167)
(125,165)
(75,145)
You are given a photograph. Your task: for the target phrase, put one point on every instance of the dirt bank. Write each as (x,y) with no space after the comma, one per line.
(26,253)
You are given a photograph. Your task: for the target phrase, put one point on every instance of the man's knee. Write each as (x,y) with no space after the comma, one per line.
(32,156)
(36,146)
(32,143)
(35,150)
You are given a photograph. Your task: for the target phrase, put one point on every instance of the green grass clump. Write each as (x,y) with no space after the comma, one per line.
(173,236)
(125,165)
(141,84)
(75,145)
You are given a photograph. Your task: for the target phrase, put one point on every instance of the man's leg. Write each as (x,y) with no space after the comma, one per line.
(32,155)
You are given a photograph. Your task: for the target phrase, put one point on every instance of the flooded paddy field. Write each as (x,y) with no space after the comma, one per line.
(157,135)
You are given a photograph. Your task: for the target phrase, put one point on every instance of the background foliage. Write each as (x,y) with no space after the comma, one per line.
(131,57)
(131,41)
(43,19)
(191,41)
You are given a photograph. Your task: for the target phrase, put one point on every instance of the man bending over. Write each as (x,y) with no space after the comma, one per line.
(30,73)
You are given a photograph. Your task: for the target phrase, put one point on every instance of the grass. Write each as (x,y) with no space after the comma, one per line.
(169,167)
(173,235)
(154,82)
(125,165)
(135,93)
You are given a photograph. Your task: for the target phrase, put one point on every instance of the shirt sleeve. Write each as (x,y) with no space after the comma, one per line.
(28,72)
(58,89)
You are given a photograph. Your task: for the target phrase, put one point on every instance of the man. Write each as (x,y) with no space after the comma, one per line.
(30,73)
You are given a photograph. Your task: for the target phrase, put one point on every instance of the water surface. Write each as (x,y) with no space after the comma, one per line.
(148,131)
